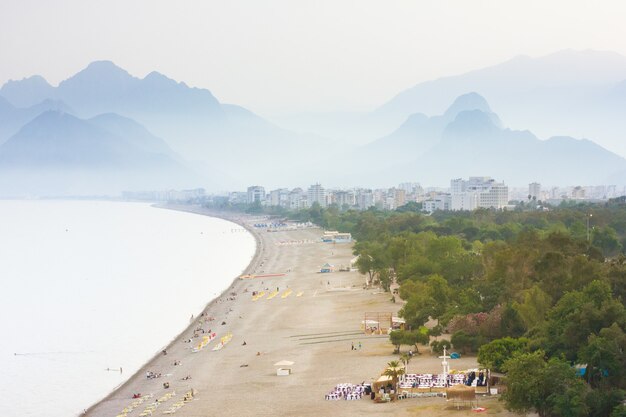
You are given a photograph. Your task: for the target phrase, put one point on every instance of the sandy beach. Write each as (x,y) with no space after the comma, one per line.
(312,321)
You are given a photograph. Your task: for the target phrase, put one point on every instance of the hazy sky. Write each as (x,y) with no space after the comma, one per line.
(287,55)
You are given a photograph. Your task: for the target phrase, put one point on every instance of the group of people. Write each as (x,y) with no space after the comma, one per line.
(481,381)
(355,347)
(348,392)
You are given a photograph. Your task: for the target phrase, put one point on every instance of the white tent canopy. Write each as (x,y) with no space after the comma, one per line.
(284,363)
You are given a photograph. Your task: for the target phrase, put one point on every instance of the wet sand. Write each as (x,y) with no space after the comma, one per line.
(315,330)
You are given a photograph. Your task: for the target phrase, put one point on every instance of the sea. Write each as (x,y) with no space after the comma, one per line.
(90,290)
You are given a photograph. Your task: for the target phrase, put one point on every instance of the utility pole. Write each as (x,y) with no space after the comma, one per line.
(589,216)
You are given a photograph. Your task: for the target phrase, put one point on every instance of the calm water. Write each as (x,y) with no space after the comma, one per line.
(87,286)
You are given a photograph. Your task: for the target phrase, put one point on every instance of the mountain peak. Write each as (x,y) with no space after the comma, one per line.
(469,101)
(33,80)
(156,78)
(155,75)
(104,66)
(27,91)
(99,73)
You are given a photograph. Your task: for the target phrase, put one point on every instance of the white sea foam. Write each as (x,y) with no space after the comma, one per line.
(87,286)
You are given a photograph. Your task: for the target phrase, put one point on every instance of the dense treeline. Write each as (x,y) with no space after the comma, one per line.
(534,293)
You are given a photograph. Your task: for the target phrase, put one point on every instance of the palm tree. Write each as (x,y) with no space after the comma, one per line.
(394,370)
(405,358)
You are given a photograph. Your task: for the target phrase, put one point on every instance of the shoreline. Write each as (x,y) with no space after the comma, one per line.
(305,317)
(251,267)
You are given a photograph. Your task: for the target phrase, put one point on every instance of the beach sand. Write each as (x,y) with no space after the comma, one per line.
(314,330)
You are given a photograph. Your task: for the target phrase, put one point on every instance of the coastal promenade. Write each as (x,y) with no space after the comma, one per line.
(304,316)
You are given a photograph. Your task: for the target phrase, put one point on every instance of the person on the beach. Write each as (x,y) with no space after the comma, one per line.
(352,345)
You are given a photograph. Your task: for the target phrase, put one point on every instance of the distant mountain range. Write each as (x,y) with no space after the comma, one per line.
(574,93)
(577,93)
(469,139)
(214,136)
(100,131)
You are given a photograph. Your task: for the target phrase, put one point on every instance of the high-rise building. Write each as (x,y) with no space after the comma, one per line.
(279,197)
(316,194)
(256,194)
(297,199)
(477,192)
(344,198)
(364,199)
(437,202)
(534,190)
(398,195)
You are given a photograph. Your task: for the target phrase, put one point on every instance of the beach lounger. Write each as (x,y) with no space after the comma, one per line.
(258,296)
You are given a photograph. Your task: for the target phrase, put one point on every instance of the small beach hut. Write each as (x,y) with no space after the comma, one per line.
(461,395)
(326,268)
(284,368)
(382,382)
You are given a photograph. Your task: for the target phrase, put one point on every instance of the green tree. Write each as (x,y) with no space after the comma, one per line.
(438,345)
(549,388)
(534,306)
(607,241)
(395,371)
(602,402)
(576,316)
(494,354)
(405,358)
(405,337)
(465,342)
(605,357)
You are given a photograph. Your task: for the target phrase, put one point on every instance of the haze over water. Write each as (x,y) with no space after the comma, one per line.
(88,286)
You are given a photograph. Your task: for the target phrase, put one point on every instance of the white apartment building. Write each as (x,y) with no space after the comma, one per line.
(279,197)
(297,199)
(534,190)
(364,199)
(256,194)
(316,194)
(478,192)
(344,198)
(438,202)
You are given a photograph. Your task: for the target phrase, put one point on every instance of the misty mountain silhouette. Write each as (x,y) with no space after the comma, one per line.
(192,121)
(27,92)
(419,132)
(568,92)
(13,118)
(468,139)
(60,152)
(110,108)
